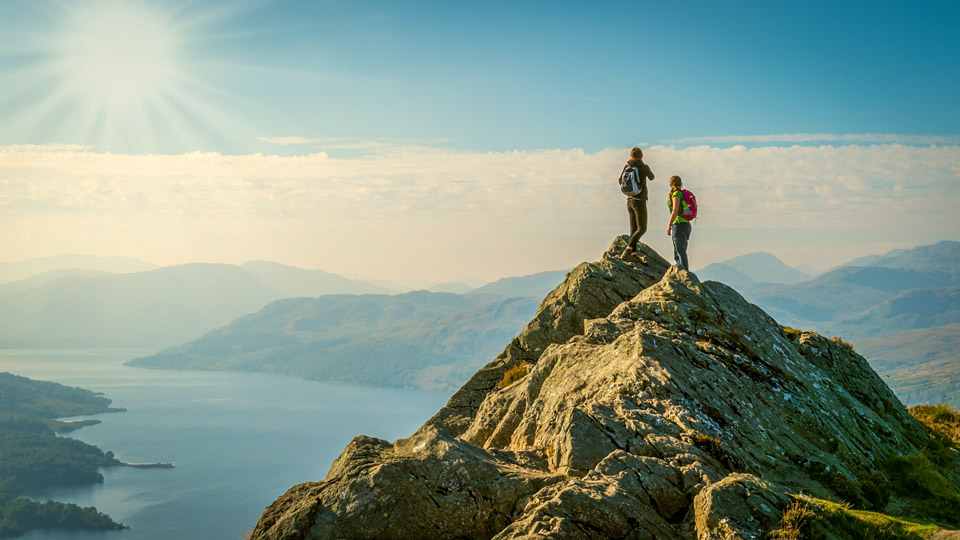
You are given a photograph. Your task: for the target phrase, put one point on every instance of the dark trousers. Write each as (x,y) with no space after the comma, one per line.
(680,232)
(637,211)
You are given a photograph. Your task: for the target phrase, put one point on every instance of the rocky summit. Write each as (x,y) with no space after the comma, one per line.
(638,403)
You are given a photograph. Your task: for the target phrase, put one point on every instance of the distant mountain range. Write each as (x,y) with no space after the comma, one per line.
(155,308)
(752,268)
(15,271)
(143,309)
(111,304)
(290,281)
(534,285)
(890,307)
(908,296)
(418,339)
(862,300)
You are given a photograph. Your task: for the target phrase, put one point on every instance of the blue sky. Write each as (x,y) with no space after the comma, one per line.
(115,111)
(522,75)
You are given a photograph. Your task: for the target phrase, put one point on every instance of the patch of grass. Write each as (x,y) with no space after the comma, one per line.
(930,495)
(715,448)
(792,333)
(847,490)
(842,342)
(876,490)
(849,523)
(796,523)
(514,374)
(699,317)
(940,451)
(942,420)
(808,518)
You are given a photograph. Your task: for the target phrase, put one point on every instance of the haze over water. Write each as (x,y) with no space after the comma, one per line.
(237,441)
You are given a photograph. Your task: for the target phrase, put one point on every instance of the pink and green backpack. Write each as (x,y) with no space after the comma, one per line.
(690,212)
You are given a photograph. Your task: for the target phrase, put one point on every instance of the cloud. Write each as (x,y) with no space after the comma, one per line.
(288,140)
(876,138)
(438,213)
(57,147)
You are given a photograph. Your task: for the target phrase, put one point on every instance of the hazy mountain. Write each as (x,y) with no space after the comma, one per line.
(391,286)
(758,267)
(921,366)
(809,270)
(533,285)
(724,273)
(868,260)
(937,259)
(424,339)
(14,271)
(157,308)
(456,287)
(843,293)
(912,309)
(145,309)
(291,281)
(7,289)
(940,257)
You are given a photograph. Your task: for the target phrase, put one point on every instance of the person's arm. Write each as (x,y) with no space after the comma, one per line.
(676,211)
(649,172)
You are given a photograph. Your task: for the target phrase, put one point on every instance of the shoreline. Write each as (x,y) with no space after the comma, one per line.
(145,465)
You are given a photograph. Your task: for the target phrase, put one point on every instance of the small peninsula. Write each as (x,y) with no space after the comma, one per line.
(33,457)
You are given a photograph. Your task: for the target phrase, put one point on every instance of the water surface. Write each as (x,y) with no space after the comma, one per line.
(237,440)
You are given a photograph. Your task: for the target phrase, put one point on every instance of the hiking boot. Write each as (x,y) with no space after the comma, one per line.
(631,256)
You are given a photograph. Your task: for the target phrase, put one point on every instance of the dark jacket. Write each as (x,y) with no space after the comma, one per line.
(645,173)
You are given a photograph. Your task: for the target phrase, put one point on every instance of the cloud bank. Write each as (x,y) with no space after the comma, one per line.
(288,140)
(880,138)
(408,211)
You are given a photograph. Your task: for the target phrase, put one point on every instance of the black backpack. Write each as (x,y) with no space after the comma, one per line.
(630,182)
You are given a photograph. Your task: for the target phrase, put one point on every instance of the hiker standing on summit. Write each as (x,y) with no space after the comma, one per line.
(679,227)
(633,184)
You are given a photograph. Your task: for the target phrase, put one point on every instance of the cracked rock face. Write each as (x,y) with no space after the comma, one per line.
(655,407)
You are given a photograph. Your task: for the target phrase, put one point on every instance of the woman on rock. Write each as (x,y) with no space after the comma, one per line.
(637,204)
(678,228)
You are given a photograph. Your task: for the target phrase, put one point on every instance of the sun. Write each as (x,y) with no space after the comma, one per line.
(125,76)
(118,55)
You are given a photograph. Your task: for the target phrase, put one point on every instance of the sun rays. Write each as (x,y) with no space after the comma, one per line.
(119,75)
(118,57)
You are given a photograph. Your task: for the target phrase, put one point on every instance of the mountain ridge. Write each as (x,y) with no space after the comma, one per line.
(416,339)
(642,403)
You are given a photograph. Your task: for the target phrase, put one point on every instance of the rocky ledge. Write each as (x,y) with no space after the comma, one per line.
(647,405)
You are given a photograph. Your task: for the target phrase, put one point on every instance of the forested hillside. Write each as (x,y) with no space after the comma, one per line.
(33,457)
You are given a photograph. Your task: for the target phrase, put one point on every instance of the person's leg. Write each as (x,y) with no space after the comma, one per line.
(681,235)
(640,209)
(634,225)
(675,236)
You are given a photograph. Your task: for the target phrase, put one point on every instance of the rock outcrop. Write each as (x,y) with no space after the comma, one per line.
(654,407)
